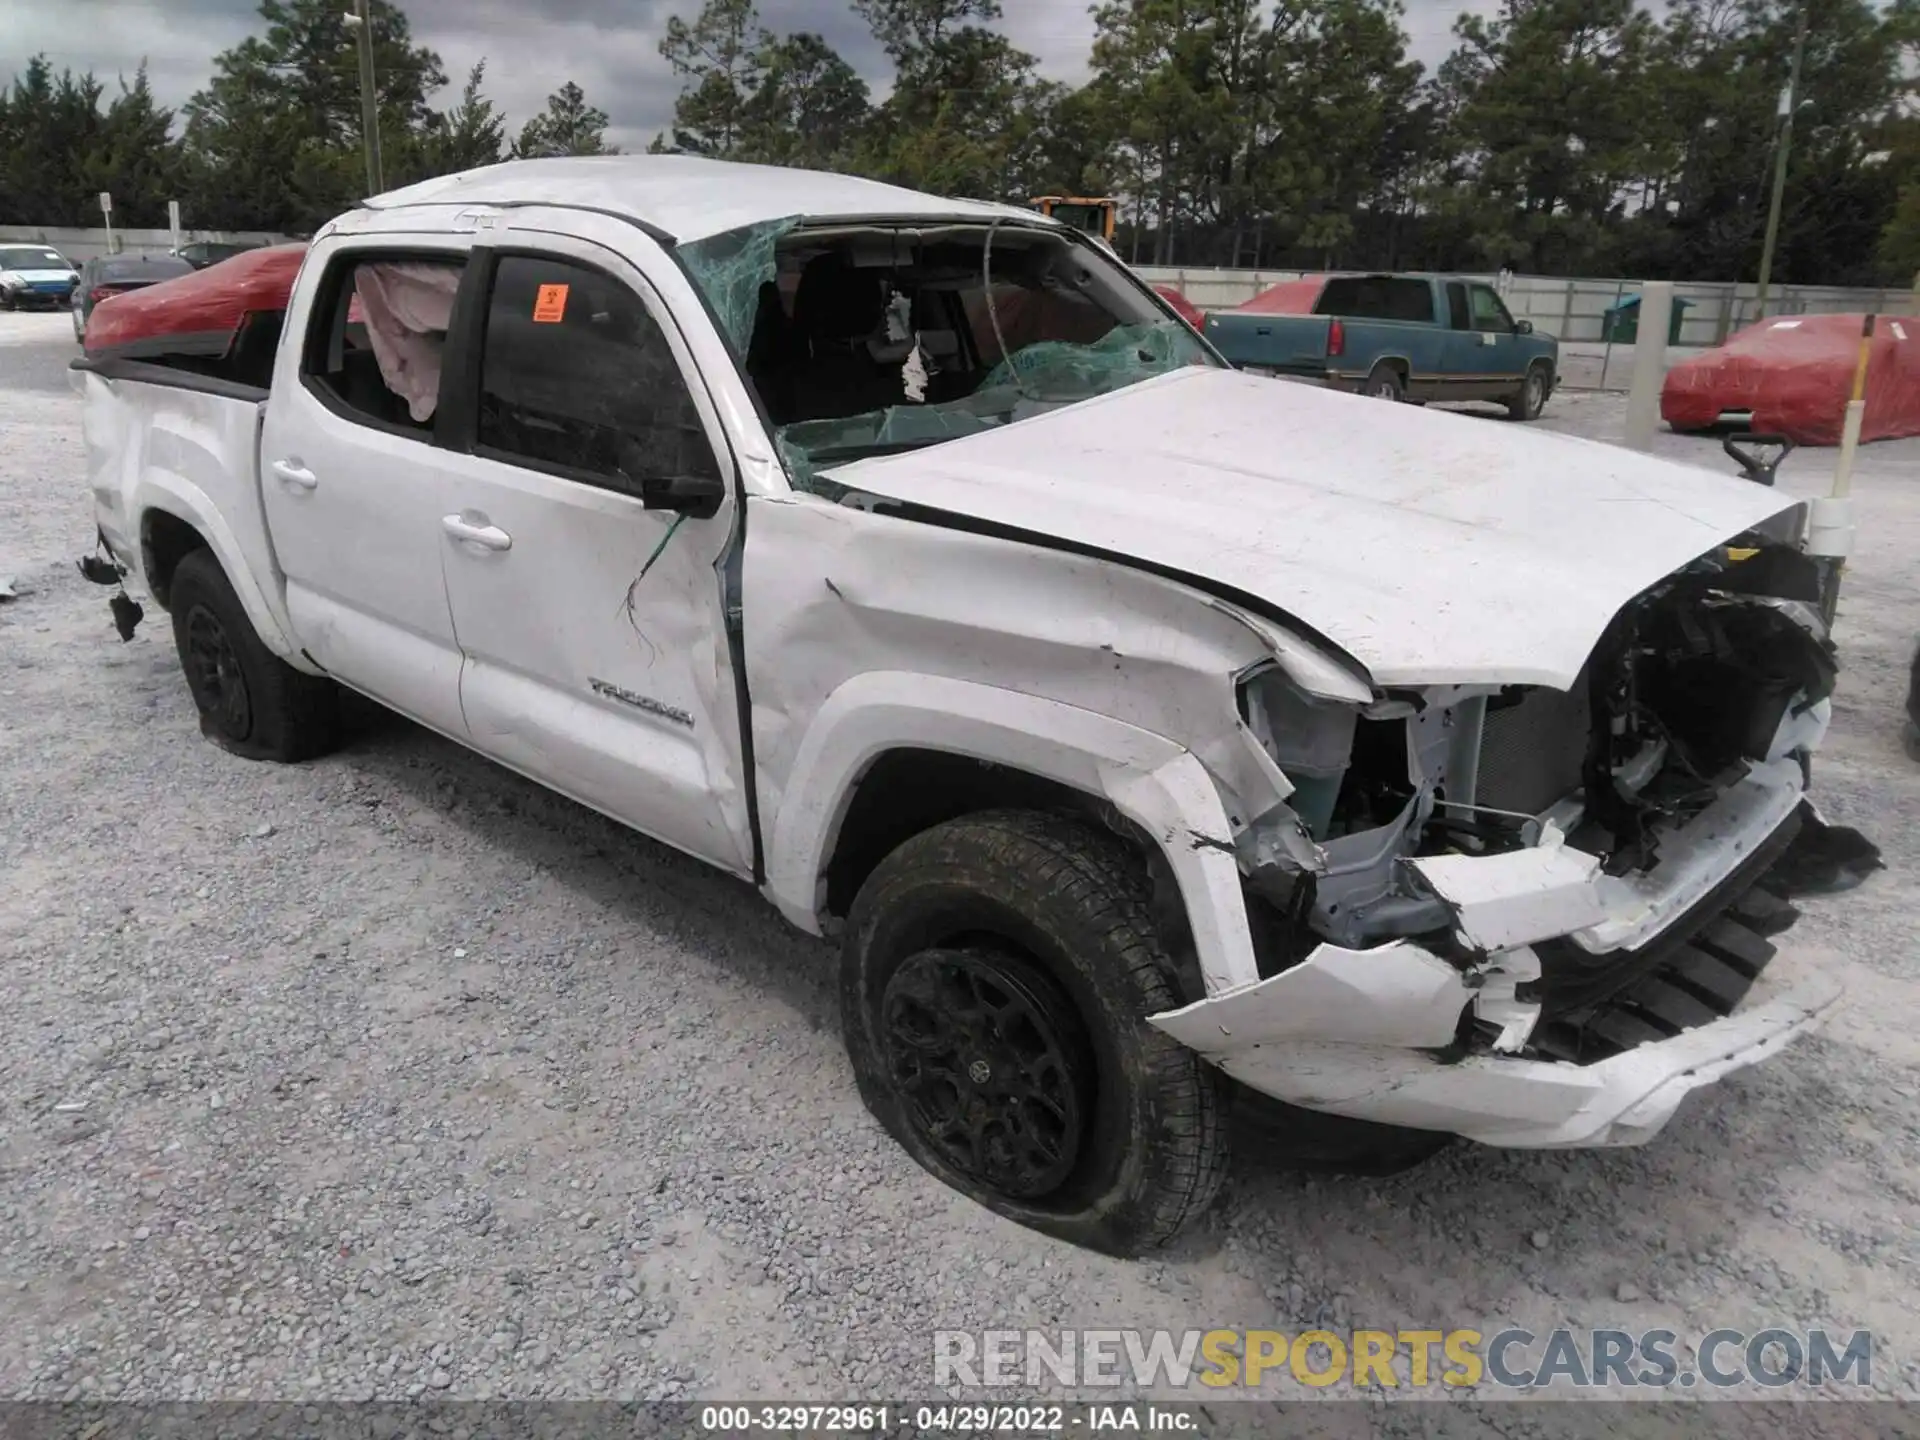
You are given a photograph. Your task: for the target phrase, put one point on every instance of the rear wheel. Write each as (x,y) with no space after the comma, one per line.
(1385,382)
(995,982)
(251,702)
(1531,398)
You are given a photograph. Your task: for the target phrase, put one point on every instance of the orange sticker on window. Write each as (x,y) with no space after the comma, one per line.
(550,305)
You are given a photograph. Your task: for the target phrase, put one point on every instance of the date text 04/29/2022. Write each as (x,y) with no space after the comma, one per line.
(946,1418)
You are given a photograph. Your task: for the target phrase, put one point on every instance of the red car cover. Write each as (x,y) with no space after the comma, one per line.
(1794,375)
(1289,297)
(1189,312)
(196,314)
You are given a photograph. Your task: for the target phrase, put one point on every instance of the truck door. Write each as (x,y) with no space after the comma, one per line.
(594,629)
(1499,367)
(352,474)
(1463,354)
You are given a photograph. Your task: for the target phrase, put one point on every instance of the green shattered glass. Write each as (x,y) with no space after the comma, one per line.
(1123,356)
(731,267)
(1050,373)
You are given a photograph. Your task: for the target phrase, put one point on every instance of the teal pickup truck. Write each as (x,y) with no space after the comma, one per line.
(1400,337)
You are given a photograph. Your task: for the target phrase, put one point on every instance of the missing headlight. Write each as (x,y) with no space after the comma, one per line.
(1310,739)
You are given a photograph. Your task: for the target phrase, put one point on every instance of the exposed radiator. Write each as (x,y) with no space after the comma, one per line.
(1531,753)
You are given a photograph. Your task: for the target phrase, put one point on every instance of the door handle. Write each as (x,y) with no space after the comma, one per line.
(491,537)
(295,474)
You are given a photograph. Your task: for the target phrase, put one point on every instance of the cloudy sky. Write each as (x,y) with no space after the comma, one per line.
(532,46)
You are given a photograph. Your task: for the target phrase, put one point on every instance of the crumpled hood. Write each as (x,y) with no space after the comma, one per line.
(1434,547)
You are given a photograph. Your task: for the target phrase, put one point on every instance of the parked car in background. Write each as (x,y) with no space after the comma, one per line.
(202,253)
(1184,307)
(108,275)
(35,277)
(1792,376)
(1290,297)
(1400,337)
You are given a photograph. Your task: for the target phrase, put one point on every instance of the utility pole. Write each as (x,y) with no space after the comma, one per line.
(1779,161)
(369,97)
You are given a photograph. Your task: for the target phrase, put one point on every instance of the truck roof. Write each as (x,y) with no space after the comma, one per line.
(686,197)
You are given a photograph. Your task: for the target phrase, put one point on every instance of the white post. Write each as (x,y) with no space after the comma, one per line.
(1649,367)
(1830,517)
(1856,412)
(173,222)
(106,214)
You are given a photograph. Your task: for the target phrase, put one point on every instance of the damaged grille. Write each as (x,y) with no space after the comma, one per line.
(1531,752)
(1695,972)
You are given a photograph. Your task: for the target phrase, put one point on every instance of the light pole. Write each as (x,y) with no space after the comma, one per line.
(359,19)
(1779,162)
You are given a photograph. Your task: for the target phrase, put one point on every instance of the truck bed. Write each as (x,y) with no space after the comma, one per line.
(187,445)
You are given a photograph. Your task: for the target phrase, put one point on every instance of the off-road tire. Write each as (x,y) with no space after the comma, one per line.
(1070,901)
(281,714)
(1531,398)
(1385,382)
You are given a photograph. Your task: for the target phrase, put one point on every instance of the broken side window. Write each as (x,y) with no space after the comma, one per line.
(378,329)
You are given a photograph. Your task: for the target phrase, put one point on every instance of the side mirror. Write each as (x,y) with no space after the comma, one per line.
(698,496)
(672,467)
(1523,327)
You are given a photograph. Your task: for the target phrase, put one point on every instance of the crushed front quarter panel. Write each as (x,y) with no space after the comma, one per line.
(1371,1033)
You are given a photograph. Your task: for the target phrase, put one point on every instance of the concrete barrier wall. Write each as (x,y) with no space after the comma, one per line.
(81,245)
(1573,309)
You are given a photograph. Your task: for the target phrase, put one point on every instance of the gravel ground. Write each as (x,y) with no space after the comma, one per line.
(393,1075)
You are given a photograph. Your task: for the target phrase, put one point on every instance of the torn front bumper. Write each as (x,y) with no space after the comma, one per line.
(1495,1099)
(1479,1042)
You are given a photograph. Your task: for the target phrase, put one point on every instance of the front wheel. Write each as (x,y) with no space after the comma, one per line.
(1531,398)
(251,702)
(996,977)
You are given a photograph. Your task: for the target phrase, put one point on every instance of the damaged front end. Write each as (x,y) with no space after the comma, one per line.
(1528,916)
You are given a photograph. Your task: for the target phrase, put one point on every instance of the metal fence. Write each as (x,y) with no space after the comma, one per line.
(1575,309)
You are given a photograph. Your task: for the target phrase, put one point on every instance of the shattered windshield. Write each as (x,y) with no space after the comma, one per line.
(869,340)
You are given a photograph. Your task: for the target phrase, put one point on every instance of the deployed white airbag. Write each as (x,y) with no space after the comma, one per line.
(407,307)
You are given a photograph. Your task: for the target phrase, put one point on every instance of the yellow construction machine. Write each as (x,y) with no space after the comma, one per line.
(1096,217)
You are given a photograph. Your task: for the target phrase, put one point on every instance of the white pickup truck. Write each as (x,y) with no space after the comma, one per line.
(1150,735)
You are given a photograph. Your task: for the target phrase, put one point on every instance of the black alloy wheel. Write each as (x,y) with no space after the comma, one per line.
(994,1066)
